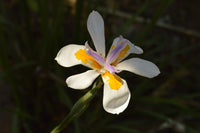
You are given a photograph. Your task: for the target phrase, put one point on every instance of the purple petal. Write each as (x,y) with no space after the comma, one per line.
(113,55)
(111,69)
(94,55)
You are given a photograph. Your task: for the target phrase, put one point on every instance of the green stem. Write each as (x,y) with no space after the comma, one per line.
(79,107)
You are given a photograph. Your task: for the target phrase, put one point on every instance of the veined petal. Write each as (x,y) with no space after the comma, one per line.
(83,80)
(115,101)
(95,25)
(139,66)
(127,49)
(66,56)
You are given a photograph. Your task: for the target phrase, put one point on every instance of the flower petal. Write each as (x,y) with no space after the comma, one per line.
(115,101)
(66,55)
(94,54)
(116,51)
(95,25)
(139,66)
(71,55)
(83,80)
(127,49)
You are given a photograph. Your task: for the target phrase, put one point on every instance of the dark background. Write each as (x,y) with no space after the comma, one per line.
(34,97)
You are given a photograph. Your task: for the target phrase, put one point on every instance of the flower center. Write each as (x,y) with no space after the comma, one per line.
(105,66)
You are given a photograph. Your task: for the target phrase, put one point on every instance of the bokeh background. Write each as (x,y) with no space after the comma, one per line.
(34,97)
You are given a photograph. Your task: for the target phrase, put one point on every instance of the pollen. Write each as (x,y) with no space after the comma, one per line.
(86,59)
(122,54)
(114,81)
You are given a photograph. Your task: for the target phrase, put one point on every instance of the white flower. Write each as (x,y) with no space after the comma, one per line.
(116,94)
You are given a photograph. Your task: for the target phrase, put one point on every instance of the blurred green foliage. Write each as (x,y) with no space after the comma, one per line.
(33,31)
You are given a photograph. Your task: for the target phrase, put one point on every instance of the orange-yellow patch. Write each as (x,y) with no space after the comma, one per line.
(114,81)
(122,54)
(113,46)
(85,58)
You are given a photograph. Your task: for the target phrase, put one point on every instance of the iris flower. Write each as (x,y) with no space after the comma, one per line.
(116,94)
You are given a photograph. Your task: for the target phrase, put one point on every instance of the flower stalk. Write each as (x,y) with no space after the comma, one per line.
(79,107)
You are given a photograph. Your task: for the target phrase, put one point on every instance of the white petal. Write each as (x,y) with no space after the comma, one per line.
(71,55)
(129,48)
(134,49)
(66,56)
(115,101)
(83,80)
(139,66)
(95,25)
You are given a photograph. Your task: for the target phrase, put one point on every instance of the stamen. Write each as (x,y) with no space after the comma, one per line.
(93,54)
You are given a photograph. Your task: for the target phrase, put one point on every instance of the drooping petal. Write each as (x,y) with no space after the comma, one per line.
(83,80)
(115,101)
(95,26)
(66,56)
(127,49)
(139,66)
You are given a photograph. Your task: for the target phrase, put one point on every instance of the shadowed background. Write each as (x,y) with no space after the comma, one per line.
(34,96)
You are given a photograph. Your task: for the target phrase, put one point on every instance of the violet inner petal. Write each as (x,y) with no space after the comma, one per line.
(94,55)
(111,69)
(115,52)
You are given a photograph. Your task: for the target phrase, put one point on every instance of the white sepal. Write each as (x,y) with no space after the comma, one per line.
(139,66)
(116,101)
(82,80)
(66,55)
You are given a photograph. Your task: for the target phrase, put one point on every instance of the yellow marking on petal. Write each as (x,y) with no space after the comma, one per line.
(85,58)
(122,54)
(113,46)
(113,80)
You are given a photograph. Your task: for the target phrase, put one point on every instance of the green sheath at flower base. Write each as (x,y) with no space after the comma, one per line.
(79,107)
